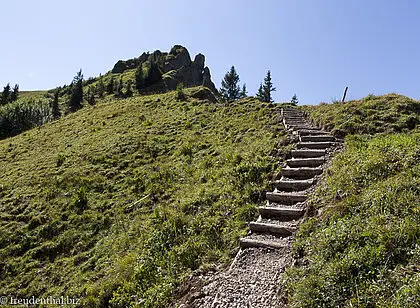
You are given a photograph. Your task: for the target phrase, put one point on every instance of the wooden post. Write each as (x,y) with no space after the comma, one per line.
(344,94)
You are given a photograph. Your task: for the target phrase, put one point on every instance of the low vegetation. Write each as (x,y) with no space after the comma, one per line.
(363,250)
(373,114)
(118,202)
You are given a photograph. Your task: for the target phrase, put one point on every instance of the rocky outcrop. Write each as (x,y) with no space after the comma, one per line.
(176,67)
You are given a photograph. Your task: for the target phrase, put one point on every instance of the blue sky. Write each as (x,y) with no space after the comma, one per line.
(314,48)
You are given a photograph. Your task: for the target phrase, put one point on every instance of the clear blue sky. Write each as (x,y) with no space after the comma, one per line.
(313,48)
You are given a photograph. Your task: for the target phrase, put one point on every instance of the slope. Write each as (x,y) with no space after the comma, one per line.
(118,202)
(362,249)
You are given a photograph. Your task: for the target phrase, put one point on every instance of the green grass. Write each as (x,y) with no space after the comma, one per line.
(119,202)
(32,95)
(364,249)
(373,114)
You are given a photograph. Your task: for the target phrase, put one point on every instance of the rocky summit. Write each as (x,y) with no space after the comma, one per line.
(175,67)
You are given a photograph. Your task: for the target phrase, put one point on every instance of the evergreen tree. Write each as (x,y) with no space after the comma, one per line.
(268,88)
(15,93)
(129,90)
(55,108)
(264,91)
(5,95)
(110,86)
(243,92)
(100,87)
(139,78)
(76,96)
(260,93)
(294,100)
(154,74)
(230,89)
(91,97)
(119,88)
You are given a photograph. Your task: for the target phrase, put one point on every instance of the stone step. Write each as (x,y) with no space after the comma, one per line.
(272,228)
(301,173)
(294,118)
(294,185)
(293,115)
(307,153)
(305,162)
(283,212)
(299,127)
(314,145)
(290,109)
(285,198)
(319,138)
(263,242)
(295,123)
(309,132)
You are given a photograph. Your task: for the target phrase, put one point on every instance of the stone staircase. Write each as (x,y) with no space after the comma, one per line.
(285,205)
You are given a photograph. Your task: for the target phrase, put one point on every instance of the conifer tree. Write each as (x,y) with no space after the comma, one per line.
(294,100)
(230,89)
(154,74)
(129,90)
(76,96)
(15,93)
(243,93)
(119,88)
(264,91)
(100,87)
(91,97)
(5,95)
(110,86)
(268,88)
(260,93)
(55,108)
(139,77)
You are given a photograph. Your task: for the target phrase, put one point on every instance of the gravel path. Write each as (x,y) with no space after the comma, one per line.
(254,280)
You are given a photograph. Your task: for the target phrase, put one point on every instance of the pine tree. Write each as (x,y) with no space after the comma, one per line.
(260,94)
(76,96)
(294,100)
(91,97)
(139,78)
(154,74)
(110,86)
(268,88)
(243,93)
(129,90)
(55,108)
(5,95)
(230,89)
(15,93)
(100,87)
(119,88)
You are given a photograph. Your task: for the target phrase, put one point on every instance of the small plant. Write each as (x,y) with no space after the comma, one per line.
(180,94)
(60,159)
(80,200)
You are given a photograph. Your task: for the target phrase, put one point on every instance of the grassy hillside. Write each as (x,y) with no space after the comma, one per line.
(363,250)
(373,114)
(118,202)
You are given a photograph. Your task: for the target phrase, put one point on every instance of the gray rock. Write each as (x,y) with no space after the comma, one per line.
(175,66)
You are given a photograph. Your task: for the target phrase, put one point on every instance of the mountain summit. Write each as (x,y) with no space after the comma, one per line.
(175,67)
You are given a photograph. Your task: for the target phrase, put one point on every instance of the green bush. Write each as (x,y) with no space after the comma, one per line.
(19,116)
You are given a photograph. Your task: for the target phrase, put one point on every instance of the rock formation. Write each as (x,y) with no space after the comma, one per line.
(176,67)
